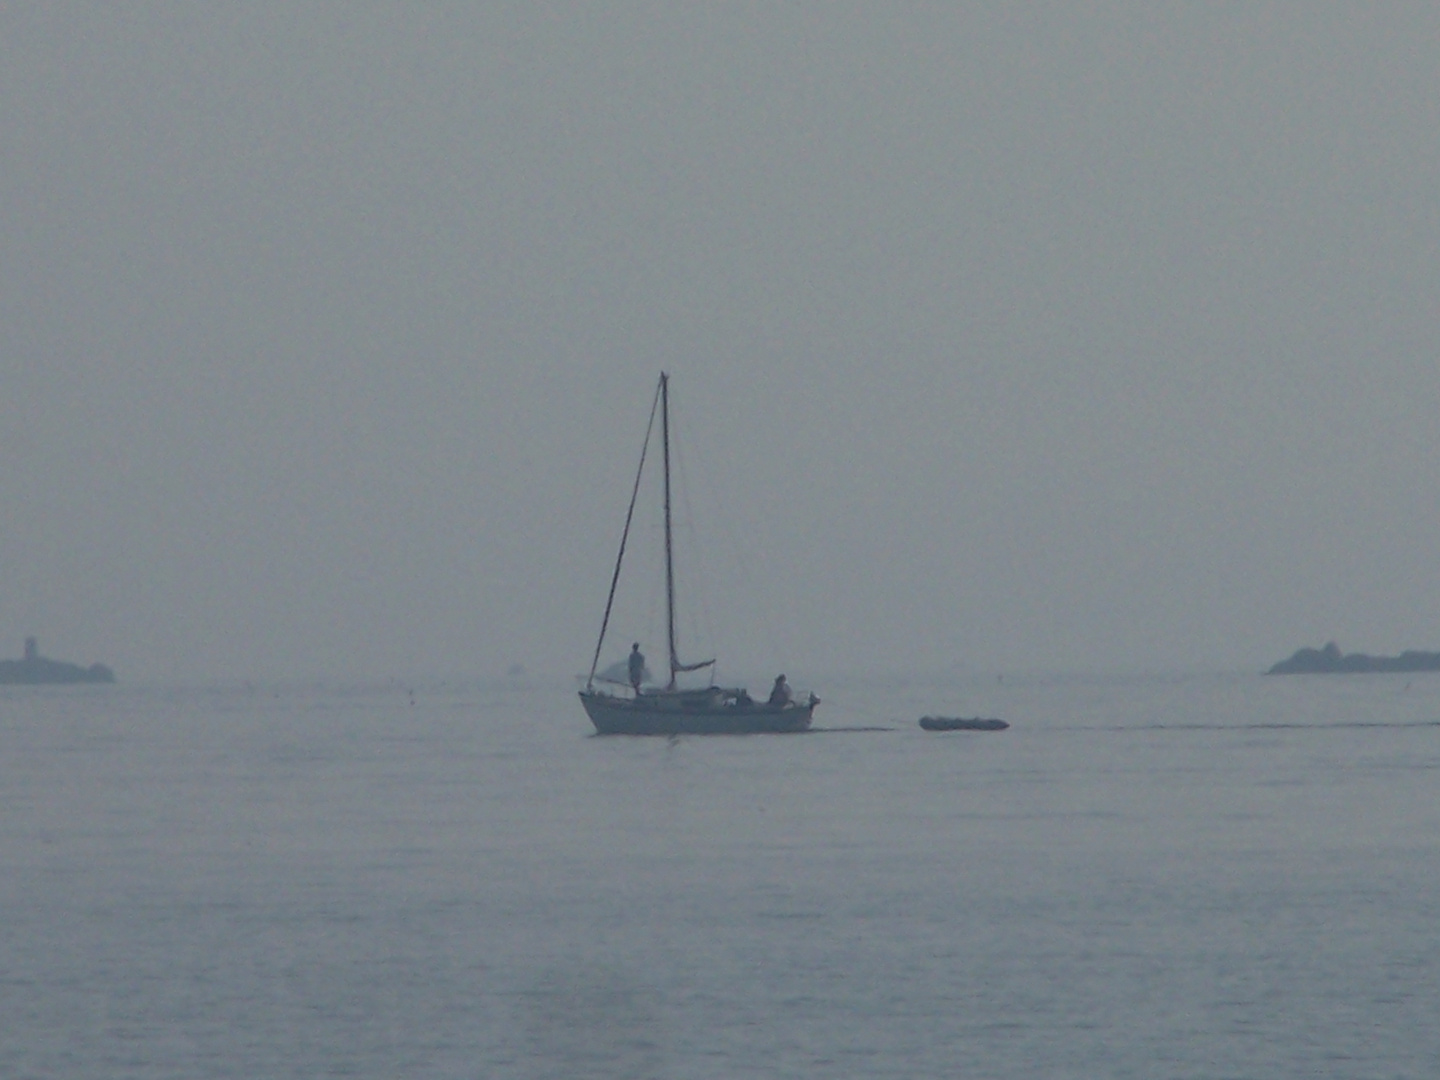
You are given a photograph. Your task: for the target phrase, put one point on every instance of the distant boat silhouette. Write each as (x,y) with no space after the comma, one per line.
(33,670)
(670,710)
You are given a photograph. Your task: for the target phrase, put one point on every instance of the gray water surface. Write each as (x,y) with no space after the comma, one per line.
(1151,877)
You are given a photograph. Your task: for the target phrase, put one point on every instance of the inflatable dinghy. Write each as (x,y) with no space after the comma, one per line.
(960,723)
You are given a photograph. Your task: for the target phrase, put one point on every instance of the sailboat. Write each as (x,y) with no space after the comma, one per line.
(671,710)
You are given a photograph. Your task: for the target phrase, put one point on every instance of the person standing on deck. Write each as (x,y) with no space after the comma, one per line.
(637,667)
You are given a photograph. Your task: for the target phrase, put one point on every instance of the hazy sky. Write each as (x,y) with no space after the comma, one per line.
(1003,337)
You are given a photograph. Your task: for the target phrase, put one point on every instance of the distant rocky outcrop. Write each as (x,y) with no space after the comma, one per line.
(1331,661)
(34,669)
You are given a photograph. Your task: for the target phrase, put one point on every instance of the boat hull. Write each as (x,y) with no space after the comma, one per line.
(691,714)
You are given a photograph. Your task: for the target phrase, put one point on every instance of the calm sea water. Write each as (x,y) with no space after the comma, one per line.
(1162,877)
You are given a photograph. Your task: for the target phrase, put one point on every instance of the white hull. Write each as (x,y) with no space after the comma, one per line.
(692,713)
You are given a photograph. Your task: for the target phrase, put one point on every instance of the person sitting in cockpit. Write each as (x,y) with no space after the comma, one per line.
(780,692)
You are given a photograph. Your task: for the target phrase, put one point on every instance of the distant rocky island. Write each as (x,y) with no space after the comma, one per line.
(1331,661)
(33,669)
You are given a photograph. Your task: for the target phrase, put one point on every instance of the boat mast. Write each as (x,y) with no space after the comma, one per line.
(669,547)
